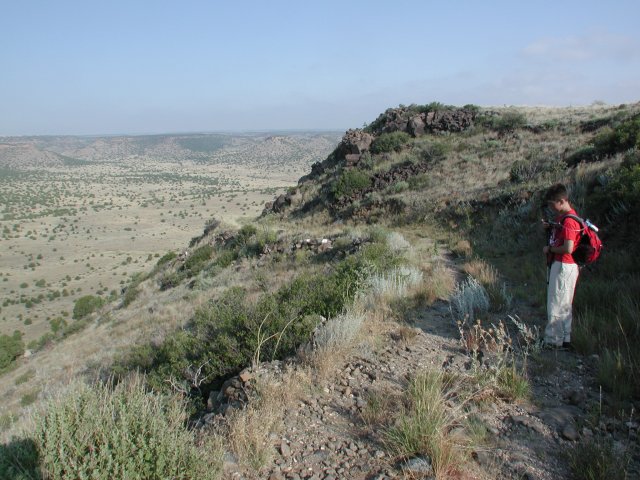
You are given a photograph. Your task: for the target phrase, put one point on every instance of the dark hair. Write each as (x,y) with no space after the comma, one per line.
(557,192)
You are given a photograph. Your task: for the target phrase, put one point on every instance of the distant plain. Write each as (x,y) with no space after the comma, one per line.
(81,215)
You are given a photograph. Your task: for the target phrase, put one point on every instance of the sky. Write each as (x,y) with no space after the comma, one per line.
(137,67)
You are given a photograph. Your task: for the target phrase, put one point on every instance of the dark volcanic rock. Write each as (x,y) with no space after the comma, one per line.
(354,142)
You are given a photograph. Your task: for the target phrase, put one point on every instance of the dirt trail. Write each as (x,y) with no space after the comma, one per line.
(327,435)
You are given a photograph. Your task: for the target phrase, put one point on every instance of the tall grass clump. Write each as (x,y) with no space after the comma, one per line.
(422,427)
(105,432)
(395,283)
(439,283)
(595,459)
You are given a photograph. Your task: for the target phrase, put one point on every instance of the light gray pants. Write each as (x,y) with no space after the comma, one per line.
(562,285)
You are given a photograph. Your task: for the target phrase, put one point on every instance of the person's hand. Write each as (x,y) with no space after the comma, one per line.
(545,224)
(545,250)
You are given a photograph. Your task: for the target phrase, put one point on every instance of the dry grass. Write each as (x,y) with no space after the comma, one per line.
(488,277)
(438,284)
(250,430)
(483,272)
(423,426)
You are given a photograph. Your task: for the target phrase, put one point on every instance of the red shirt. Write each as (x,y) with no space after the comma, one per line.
(568,230)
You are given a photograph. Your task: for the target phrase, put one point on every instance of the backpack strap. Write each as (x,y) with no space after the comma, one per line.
(583,226)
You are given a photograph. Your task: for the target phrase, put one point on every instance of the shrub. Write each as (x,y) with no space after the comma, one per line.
(390,142)
(25,377)
(398,187)
(469,299)
(230,332)
(609,141)
(57,324)
(380,256)
(11,347)
(509,122)
(166,258)
(124,432)
(86,305)
(197,260)
(338,332)
(130,294)
(74,327)
(28,398)
(624,136)
(170,280)
(350,182)
(432,151)
(225,258)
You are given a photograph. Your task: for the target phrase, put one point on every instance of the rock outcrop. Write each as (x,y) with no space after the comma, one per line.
(404,119)
(356,142)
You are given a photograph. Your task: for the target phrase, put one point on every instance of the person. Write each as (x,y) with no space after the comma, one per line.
(563,270)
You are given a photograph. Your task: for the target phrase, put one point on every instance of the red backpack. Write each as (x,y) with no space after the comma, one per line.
(590,246)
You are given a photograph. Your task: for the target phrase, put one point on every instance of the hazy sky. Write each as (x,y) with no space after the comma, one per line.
(101,67)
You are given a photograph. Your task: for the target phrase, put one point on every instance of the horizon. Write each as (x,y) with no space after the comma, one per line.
(77,69)
(186,133)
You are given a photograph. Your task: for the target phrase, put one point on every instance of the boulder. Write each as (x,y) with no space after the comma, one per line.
(395,120)
(416,125)
(354,142)
(280,203)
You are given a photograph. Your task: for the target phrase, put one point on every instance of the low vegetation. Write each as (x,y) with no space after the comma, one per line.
(103,432)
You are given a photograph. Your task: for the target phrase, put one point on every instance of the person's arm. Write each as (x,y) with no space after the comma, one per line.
(566,247)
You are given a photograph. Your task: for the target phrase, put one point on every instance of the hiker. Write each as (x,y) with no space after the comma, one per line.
(563,270)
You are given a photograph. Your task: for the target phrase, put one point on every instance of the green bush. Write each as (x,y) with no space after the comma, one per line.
(610,141)
(350,182)
(57,324)
(74,327)
(587,153)
(100,432)
(509,122)
(226,334)
(166,258)
(624,136)
(225,258)
(390,142)
(170,280)
(86,305)
(250,242)
(130,294)
(197,260)
(432,151)
(11,347)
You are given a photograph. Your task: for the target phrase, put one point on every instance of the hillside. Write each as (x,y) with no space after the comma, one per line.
(379,320)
